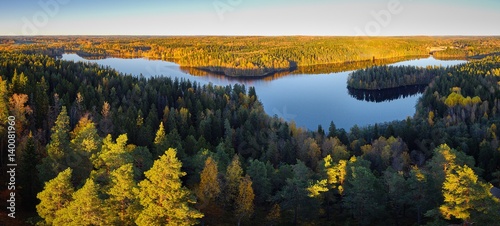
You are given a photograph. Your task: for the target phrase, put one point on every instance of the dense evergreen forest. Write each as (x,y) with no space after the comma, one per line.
(96,147)
(257,56)
(389,77)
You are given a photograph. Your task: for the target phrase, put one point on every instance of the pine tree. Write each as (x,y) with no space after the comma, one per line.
(111,157)
(165,200)
(122,203)
(465,197)
(27,173)
(41,102)
(57,195)
(244,200)
(85,209)
(444,161)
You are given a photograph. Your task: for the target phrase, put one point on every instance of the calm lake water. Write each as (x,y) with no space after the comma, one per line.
(308,99)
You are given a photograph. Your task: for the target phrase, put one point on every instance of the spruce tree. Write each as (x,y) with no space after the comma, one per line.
(19,83)
(27,173)
(58,149)
(41,102)
(160,142)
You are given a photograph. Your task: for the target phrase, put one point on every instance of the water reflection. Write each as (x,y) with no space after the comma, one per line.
(205,73)
(101,56)
(351,66)
(384,95)
(309,70)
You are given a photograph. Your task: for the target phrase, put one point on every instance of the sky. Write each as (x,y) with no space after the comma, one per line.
(250,17)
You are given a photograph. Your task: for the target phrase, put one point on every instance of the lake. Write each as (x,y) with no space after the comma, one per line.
(308,99)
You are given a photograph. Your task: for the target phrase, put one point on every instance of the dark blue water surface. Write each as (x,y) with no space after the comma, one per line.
(308,99)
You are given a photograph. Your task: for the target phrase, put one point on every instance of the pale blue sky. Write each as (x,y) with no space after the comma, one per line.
(250,17)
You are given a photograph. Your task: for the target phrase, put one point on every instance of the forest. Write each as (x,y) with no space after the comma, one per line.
(390,77)
(97,147)
(256,56)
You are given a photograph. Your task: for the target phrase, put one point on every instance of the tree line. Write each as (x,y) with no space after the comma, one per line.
(390,77)
(257,56)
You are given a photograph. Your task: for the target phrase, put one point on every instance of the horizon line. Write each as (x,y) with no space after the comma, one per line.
(248,35)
